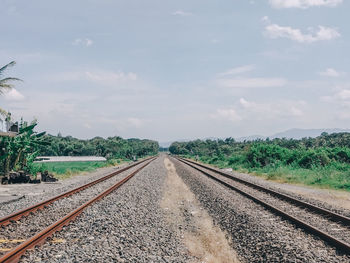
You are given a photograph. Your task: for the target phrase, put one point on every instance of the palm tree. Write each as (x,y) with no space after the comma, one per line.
(5,83)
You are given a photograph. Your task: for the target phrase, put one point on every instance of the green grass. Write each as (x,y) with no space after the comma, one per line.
(333,176)
(322,177)
(64,170)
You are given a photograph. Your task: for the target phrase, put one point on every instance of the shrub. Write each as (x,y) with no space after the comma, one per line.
(343,155)
(236,159)
(260,155)
(312,158)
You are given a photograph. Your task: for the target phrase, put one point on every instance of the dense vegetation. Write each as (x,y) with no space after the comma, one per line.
(18,152)
(111,148)
(323,161)
(115,149)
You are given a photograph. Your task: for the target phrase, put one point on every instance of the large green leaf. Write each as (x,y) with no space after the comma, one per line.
(28,128)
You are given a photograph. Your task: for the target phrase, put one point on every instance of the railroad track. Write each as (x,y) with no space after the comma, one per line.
(25,222)
(332,227)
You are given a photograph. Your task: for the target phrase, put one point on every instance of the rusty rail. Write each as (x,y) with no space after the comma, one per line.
(343,246)
(332,215)
(24,212)
(15,254)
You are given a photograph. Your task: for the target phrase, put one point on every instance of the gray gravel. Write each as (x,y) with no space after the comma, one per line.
(27,226)
(257,234)
(29,194)
(130,226)
(291,190)
(126,226)
(336,229)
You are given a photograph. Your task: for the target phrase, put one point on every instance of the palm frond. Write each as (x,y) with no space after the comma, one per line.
(28,128)
(3,112)
(10,79)
(11,64)
(5,87)
(4,83)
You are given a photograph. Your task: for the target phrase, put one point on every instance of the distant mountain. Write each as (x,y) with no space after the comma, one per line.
(302,133)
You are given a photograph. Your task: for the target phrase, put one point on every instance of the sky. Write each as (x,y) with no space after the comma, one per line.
(168,70)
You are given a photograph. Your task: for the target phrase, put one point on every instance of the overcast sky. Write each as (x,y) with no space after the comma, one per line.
(181,69)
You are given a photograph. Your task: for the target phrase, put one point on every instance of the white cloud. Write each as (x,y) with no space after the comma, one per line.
(88,42)
(249,105)
(341,101)
(135,122)
(254,111)
(304,3)
(229,114)
(108,77)
(102,77)
(123,124)
(330,72)
(252,82)
(13,95)
(87,125)
(238,70)
(182,13)
(273,109)
(266,19)
(341,97)
(82,42)
(224,79)
(322,34)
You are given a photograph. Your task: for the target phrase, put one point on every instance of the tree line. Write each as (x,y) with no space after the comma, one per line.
(306,153)
(19,152)
(324,160)
(112,147)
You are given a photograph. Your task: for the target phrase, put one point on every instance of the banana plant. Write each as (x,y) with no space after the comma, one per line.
(19,152)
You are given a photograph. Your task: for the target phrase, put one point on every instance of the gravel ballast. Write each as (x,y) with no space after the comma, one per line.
(169,212)
(27,226)
(128,225)
(30,194)
(257,235)
(321,222)
(334,200)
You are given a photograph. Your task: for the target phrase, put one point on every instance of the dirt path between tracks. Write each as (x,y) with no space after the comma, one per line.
(205,241)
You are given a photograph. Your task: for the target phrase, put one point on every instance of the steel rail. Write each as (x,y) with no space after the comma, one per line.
(26,211)
(341,245)
(332,215)
(15,254)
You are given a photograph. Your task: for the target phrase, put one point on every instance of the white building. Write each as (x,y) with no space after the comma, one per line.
(3,124)
(7,128)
